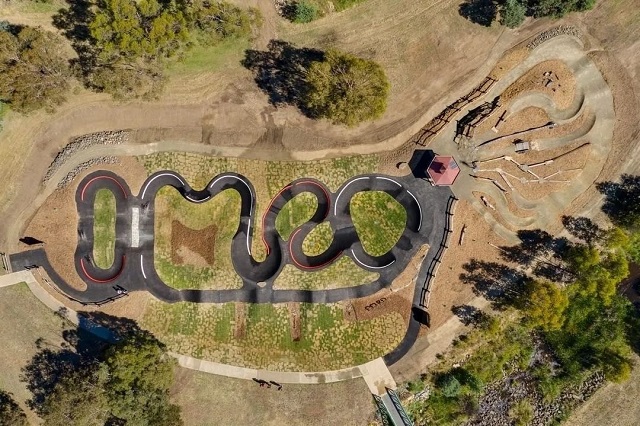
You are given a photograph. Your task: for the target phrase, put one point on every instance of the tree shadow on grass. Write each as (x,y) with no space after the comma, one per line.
(280,72)
(494,281)
(482,12)
(622,201)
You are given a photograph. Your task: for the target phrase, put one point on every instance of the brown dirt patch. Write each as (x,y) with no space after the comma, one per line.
(398,297)
(240,321)
(521,121)
(294,320)
(191,246)
(448,290)
(552,78)
(509,61)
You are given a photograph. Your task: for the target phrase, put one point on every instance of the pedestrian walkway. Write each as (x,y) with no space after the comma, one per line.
(287,377)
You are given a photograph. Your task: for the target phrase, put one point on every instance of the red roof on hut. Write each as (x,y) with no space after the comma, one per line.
(443,170)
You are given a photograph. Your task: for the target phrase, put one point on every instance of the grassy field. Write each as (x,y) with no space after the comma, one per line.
(295,213)
(342,273)
(222,211)
(25,320)
(378,219)
(326,340)
(225,54)
(104,228)
(243,402)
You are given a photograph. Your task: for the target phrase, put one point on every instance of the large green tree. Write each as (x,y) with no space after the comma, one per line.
(78,398)
(33,74)
(544,305)
(140,374)
(216,21)
(128,29)
(126,383)
(559,8)
(346,89)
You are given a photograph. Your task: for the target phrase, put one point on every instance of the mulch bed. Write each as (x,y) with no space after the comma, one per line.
(200,241)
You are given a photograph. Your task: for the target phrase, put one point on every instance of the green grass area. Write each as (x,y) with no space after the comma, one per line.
(318,240)
(228,53)
(223,211)
(327,341)
(104,228)
(296,212)
(341,5)
(379,220)
(342,273)
(268,178)
(31,6)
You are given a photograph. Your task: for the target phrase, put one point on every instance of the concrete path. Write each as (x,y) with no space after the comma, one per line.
(282,377)
(377,376)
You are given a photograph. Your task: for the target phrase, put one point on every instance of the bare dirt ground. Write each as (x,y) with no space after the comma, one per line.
(24,320)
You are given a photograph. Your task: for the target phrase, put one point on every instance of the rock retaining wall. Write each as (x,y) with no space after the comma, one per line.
(84,142)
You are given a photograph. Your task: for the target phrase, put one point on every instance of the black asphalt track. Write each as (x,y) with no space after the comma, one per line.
(133,267)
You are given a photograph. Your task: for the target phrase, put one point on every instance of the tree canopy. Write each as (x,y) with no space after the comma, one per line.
(346,89)
(33,74)
(125,383)
(124,45)
(512,13)
(10,412)
(544,305)
(559,8)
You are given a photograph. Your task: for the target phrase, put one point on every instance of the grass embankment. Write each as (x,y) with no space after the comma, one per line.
(378,219)
(268,178)
(264,340)
(104,228)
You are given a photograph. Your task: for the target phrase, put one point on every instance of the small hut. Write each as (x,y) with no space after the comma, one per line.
(443,170)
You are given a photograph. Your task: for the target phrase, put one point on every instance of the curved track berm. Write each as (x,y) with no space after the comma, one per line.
(133,267)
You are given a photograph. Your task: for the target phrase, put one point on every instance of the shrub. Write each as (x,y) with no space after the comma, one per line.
(305,12)
(449,385)
(512,13)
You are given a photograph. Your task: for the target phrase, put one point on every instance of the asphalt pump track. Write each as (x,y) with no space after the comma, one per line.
(133,267)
